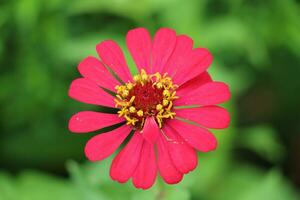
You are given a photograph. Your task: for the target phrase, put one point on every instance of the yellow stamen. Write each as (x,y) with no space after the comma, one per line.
(159,107)
(137,78)
(129,86)
(165,102)
(170,105)
(159,85)
(132,109)
(132,99)
(125,93)
(144,75)
(122,112)
(130,120)
(140,113)
(166,93)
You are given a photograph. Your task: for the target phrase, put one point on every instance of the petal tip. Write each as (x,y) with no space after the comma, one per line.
(174,181)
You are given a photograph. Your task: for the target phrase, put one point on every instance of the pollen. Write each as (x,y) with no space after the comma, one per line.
(159,107)
(165,102)
(132,109)
(140,113)
(147,95)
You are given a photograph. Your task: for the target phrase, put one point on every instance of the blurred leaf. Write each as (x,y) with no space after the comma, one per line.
(7,190)
(232,33)
(126,8)
(32,185)
(238,79)
(191,16)
(93,181)
(263,140)
(248,183)
(26,14)
(233,184)
(272,186)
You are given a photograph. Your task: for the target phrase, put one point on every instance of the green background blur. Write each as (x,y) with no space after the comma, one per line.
(256,48)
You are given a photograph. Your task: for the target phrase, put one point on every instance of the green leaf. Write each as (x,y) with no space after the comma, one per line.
(32,185)
(272,186)
(263,140)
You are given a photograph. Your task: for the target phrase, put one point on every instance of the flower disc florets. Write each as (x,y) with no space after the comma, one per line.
(148,95)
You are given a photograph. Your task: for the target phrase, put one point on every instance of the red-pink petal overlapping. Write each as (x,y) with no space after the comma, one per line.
(183,156)
(91,68)
(103,145)
(197,62)
(87,121)
(195,83)
(163,45)
(167,169)
(209,116)
(150,131)
(146,171)
(178,58)
(199,138)
(111,54)
(125,163)
(89,92)
(139,44)
(210,93)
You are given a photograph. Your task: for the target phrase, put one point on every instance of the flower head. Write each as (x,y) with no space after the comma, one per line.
(166,109)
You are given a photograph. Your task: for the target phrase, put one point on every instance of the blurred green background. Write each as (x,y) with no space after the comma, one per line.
(256,48)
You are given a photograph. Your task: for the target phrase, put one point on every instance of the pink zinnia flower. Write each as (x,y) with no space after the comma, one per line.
(166,109)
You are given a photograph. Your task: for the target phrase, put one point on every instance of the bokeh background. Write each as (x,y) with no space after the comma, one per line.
(256,48)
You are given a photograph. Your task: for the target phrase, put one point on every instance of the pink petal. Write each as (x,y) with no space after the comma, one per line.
(163,45)
(198,62)
(199,138)
(139,44)
(178,59)
(87,121)
(150,130)
(145,173)
(165,165)
(91,68)
(127,160)
(87,91)
(208,94)
(184,156)
(208,116)
(111,54)
(103,145)
(195,83)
